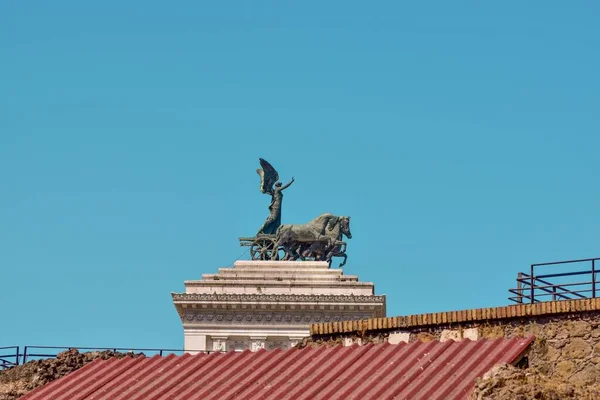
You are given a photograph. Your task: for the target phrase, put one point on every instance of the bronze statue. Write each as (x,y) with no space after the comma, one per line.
(321,239)
(269,184)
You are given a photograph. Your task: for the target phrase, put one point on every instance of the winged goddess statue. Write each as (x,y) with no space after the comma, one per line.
(269,184)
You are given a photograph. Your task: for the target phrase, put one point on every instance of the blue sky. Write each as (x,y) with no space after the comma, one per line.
(461,137)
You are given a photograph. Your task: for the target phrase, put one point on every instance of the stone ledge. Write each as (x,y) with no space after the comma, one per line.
(279,264)
(263,283)
(448,318)
(276,278)
(273,271)
(186,297)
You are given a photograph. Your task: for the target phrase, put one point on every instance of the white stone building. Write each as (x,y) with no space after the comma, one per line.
(269,304)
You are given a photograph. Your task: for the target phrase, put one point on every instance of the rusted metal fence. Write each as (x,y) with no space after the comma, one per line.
(573,279)
(12,356)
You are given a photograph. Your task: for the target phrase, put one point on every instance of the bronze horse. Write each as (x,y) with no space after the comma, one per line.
(316,239)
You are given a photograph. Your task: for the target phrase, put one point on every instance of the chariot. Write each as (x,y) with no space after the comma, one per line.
(265,247)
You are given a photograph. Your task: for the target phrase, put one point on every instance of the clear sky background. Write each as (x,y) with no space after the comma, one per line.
(461,137)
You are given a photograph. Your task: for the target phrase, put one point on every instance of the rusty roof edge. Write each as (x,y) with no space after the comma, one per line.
(520,353)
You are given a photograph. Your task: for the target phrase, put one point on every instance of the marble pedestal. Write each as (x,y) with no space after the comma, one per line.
(269,304)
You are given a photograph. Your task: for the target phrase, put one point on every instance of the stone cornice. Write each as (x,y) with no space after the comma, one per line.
(279,283)
(296,298)
(195,318)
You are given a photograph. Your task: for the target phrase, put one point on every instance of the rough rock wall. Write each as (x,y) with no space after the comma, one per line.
(566,350)
(567,346)
(505,382)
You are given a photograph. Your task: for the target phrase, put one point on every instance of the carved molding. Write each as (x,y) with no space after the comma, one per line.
(219,343)
(238,344)
(278,297)
(278,344)
(257,318)
(257,343)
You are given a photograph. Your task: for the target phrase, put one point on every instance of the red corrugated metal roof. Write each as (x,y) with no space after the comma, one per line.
(432,370)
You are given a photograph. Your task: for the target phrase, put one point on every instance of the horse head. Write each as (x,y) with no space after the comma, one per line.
(345,227)
(338,226)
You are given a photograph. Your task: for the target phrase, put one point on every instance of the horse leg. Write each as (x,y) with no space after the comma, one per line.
(292,252)
(296,252)
(331,249)
(312,250)
(343,262)
(275,251)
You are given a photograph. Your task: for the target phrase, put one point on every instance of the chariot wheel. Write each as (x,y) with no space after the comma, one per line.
(263,248)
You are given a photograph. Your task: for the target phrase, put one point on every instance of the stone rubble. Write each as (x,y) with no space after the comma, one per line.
(17,381)
(505,382)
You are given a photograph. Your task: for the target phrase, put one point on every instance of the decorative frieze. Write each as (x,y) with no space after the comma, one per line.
(219,343)
(278,344)
(257,342)
(238,344)
(258,318)
(293,298)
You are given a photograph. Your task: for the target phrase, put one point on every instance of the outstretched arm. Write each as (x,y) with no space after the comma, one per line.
(288,185)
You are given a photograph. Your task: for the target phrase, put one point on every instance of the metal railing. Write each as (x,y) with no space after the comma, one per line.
(533,287)
(11,356)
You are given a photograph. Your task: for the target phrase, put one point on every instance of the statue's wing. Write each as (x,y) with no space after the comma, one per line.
(268,176)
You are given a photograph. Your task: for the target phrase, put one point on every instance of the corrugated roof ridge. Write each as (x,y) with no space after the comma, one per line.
(338,369)
(233,391)
(432,370)
(320,361)
(287,361)
(226,359)
(154,364)
(144,390)
(83,387)
(463,383)
(408,374)
(379,356)
(162,387)
(495,346)
(439,379)
(525,343)
(65,379)
(201,363)
(429,368)
(113,373)
(464,367)
(294,364)
(241,362)
(140,364)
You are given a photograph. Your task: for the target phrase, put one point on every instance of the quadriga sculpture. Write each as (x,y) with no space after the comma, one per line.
(320,239)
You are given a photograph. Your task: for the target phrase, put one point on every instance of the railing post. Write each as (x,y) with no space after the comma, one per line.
(519,288)
(24,354)
(18,355)
(594,279)
(531,281)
